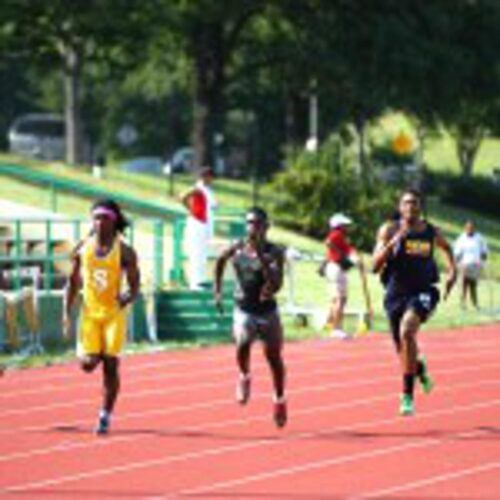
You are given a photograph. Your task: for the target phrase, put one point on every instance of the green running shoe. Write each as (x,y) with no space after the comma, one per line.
(425,379)
(406,407)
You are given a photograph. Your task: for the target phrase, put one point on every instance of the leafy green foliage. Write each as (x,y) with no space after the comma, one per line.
(478,193)
(316,185)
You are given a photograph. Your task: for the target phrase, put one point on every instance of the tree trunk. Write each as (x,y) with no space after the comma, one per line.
(421,136)
(468,145)
(359,124)
(208,93)
(72,75)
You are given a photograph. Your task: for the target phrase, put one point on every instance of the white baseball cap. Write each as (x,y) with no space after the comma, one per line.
(337,220)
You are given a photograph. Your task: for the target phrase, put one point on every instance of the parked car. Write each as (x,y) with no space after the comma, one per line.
(182,160)
(152,165)
(38,135)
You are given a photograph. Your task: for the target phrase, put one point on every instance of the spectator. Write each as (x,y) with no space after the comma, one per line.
(470,251)
(340,256)
(200,202)
(98,166)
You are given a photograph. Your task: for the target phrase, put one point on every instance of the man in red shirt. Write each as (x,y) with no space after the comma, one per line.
(340,256)
(200,203)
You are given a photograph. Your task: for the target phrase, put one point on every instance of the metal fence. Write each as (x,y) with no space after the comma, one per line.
(35,258)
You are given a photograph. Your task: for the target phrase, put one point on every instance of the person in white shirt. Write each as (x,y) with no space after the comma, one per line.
(200,203)
(471,251)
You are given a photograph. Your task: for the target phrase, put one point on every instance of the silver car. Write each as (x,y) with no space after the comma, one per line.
(38,136)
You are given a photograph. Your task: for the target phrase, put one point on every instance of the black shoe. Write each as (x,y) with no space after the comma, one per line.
(280,413)
(102,425)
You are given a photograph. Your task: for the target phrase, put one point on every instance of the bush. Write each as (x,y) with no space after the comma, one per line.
(477,193)
(316,185)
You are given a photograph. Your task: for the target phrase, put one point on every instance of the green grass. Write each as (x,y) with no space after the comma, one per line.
(311,289)
(439,148)
(440,155)
(231,193)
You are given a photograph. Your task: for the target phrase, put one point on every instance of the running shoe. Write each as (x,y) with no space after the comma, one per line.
(243,389)
(102,425)
(425,379)
(337,333)
(280,413)
(406,407)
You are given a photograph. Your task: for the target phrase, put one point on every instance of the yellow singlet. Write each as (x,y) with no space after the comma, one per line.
(102,277)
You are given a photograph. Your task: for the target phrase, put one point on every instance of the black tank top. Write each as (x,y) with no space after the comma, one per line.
(412,267)
(250,280)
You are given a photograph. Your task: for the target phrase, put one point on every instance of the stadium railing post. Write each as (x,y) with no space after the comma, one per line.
(18,253)
(159,233)
(48,261)
(177,273)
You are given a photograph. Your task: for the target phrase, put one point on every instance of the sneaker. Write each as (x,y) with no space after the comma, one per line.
(280,413)
(243,388)
(102,424)
(339,334)
(425,379)
(406,407)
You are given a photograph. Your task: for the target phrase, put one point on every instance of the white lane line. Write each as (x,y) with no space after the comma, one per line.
(226,401)
(195,387)
(320,464)
(228,367)
(71,445)
(465,339)
(272,441)
(29,410)
(431,481)
(332,356)
(167,361)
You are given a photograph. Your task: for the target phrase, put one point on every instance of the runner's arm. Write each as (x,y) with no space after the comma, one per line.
(220,265)
(133,275)
(273,272)
(451,266)
(71,289)
(387,238)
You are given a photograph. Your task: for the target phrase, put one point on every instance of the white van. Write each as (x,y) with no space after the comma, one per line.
(38,135)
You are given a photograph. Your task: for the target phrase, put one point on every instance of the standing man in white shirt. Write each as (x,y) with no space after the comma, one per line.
(471,252)
(200,203)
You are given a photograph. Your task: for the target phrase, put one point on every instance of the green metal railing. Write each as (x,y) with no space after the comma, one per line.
(22,239)
(57,184)
(228,222)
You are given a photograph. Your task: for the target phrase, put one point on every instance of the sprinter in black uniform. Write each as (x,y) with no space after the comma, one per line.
(258,270)
(404,255)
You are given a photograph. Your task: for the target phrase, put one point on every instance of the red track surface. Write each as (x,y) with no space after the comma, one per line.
(178,433)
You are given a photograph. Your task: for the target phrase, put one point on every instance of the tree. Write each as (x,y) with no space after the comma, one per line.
(446,68)
(67,35)
(208,34)
(476,40)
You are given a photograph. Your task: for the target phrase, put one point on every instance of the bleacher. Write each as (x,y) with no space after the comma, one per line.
(23,256)
(34,259)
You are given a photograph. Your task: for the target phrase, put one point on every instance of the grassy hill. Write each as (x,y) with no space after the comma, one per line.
(310,290)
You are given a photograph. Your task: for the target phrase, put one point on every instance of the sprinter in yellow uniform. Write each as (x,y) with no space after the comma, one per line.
(98,264)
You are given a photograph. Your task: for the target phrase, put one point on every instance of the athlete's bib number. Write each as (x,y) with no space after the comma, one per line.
(425,301)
